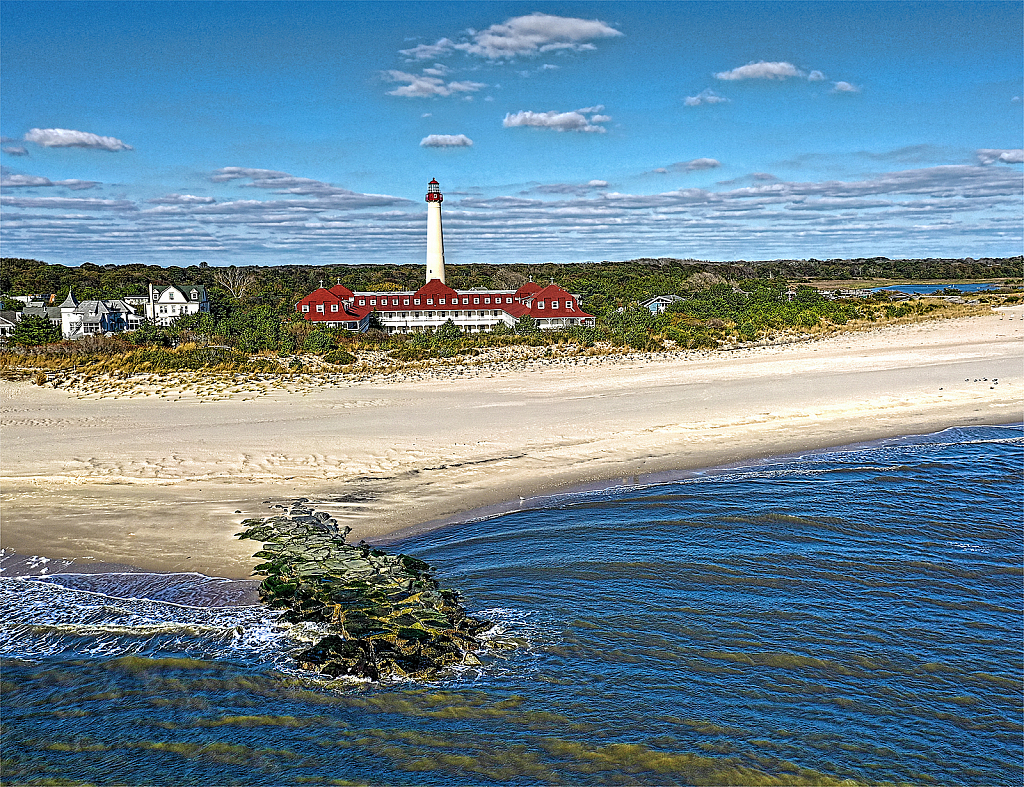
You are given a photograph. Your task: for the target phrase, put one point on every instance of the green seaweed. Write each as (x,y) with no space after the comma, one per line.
(385,615)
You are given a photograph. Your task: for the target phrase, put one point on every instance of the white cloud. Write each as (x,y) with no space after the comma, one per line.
(844,87)
(23,181)
(34,181)
(69,203)
(181,199)
(699,164)
(16,150)
(815,76)
(707,96)
(579,189)
(1015,100)
(429,51)
(446,141)
(560,121)
(324,195)
(425,86)
(693,165)
(990,156)
(762,70)
(529,35)
(66,138)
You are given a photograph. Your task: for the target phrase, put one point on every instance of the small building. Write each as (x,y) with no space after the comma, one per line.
(8,320)
(659,303)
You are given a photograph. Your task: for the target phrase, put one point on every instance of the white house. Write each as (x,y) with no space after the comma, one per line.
(88,318)
(163,304)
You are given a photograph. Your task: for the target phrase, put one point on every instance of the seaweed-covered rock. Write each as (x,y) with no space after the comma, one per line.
(386,615)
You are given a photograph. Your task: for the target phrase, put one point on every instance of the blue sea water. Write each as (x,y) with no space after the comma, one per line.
(930,289)
(853,616)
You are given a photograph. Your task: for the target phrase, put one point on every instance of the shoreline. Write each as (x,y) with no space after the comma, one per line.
(163,486)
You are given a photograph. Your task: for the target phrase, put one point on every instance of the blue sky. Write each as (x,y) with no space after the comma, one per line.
(270,133)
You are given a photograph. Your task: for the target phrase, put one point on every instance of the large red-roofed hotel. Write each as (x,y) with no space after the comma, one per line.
(435,302)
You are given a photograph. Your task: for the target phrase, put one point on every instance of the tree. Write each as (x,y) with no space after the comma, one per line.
(526,325)
(33,330)
(237,281)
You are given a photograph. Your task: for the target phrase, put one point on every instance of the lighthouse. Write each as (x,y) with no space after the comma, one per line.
(435,243)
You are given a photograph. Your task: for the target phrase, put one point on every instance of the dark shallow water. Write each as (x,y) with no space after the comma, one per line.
(848,615)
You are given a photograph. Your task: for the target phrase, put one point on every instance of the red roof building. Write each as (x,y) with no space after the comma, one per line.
(435,303)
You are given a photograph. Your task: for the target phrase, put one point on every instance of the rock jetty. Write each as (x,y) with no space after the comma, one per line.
(382,615)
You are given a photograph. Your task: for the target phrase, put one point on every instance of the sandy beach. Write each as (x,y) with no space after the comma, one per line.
(163,485)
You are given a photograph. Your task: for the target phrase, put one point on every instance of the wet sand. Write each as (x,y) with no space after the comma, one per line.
(163,485)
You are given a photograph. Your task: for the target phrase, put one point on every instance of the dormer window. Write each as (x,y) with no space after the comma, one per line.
(487,300)
(430,301)
(373,301)
(417,301)
(405,301)
(476,300)
(305,307)
(362,301)
(195,295)
(540,304)
(441,301)
(334,307)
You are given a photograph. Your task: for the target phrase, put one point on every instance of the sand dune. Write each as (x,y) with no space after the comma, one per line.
(157,483)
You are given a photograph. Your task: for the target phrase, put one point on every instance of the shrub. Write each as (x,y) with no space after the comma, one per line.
(35,330)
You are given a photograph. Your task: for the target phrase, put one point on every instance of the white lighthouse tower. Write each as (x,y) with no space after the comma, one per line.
(435,243)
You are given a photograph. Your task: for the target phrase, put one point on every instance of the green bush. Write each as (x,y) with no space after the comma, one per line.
(34,330)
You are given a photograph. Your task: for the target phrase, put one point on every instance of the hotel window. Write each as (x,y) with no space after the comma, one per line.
(405,302)
(373,301)
(362,301)
(487,300)
(305,307)
(430,301)
(320,308)
(417,301)
(394,302)
(508,300)
(476,300)
(334,307)
(441,301)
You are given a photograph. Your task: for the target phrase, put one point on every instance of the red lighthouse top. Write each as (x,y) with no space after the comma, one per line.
(434,192)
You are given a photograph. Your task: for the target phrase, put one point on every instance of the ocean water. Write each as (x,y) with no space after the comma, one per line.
(853,616)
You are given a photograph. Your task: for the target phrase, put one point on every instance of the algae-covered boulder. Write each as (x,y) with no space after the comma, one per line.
(386,616)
